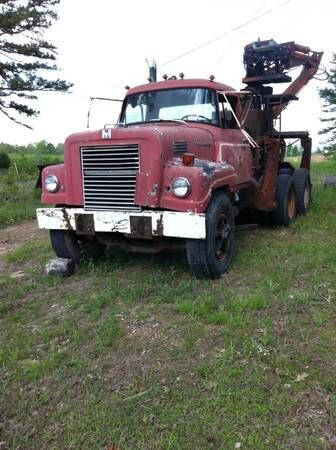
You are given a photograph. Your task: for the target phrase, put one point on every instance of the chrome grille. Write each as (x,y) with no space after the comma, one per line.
(109,177)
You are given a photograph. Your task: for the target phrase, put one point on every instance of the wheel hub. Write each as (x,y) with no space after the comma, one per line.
(291,203)
(222,233)
(306,197)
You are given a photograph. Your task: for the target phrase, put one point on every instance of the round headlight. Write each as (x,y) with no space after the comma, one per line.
(51,183)
(181,187)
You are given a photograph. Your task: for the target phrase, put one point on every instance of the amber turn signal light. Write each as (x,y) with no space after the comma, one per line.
(188,159)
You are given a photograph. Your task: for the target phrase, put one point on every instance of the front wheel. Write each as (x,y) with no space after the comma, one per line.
(211,257)
(67,245)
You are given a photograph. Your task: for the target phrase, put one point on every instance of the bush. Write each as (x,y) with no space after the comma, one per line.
(5,161)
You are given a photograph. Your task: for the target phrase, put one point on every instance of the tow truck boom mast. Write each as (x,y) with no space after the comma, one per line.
(266,62)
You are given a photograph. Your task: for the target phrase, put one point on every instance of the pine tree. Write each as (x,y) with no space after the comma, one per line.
(328,95)
(26,57)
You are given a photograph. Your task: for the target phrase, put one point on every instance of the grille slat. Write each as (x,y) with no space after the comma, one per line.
(180,147)
(109,160)
(125,164)
(115,175)
(109,177)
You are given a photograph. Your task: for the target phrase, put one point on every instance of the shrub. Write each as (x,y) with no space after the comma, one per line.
(5,161)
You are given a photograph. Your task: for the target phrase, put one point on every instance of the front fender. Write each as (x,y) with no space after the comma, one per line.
(204,177)
(59,197)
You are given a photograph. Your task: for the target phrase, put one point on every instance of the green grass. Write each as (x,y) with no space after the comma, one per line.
(15,211)
(19,198)
(132,352)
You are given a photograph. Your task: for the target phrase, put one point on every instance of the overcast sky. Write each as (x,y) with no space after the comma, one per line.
(103,45)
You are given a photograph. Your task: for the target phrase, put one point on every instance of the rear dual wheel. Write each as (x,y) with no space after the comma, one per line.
(285,197)
(302,186)
(293,196)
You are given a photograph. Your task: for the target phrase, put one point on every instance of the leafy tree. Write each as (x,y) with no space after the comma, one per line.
(25,57)
(293,150)
(41,146)
(50,148)
(60,149)
(328,96)
(5,161)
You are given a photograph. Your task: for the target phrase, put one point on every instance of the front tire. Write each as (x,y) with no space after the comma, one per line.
(66,245)
(211,257)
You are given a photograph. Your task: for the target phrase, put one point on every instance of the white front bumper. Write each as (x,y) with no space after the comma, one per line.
(161,223)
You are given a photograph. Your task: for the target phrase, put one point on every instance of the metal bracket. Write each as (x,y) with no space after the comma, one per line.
(84,224)
(141,227)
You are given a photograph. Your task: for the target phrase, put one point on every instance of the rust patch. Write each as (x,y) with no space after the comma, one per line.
(84,224)
(66,219)
(141,227)
(155,190)
(159,226)
(264,194)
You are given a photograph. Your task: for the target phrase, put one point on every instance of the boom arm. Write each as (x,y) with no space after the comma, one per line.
(310,61)
(266,62)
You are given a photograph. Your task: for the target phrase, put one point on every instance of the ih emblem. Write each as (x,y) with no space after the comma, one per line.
(106,133)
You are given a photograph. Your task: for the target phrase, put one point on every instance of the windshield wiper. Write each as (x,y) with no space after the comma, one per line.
(168,120)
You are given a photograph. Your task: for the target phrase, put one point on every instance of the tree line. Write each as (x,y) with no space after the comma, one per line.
(38,148)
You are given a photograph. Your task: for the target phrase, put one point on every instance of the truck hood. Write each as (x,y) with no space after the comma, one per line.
(159,144)
(196,136)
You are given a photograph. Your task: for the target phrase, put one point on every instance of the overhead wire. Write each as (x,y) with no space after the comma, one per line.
(238,27)
(199,47)
(261,6)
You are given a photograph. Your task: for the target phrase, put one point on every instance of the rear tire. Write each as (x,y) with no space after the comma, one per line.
(285,211)
(66,245)
(302,190)
(211,257)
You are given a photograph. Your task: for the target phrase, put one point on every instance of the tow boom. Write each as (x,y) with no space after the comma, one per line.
(267,62)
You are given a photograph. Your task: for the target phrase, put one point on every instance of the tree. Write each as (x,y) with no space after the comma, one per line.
(26,58)
(5,161)
(293,150)
(40,147)
(328,95)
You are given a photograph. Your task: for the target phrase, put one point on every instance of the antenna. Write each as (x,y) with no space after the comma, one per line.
(152,66)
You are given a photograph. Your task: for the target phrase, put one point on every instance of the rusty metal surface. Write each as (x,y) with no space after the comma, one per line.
(306,143)
(264,194)
(141,227)
(66,219)
(159,226)
(85,224)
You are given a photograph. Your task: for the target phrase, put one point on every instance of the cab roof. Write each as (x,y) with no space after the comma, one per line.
(180,83)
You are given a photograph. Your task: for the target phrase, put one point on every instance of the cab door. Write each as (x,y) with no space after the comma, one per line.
(234,148)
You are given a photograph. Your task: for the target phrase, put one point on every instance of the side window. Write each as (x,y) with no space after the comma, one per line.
(226,117)
(136,113)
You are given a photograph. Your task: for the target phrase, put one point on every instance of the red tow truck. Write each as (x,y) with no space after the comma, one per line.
(185,158)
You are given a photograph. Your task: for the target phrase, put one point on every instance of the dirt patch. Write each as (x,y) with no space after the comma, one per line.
(17,235)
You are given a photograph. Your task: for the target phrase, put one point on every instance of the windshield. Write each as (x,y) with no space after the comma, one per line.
(192,104)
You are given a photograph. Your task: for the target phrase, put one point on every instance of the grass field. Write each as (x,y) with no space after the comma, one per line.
(132,352)
(18,197)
